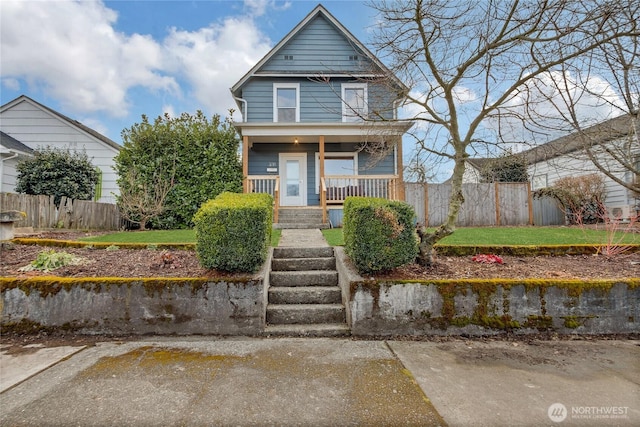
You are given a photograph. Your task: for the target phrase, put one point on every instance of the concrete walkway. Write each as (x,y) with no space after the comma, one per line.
(309,382)
(302,238)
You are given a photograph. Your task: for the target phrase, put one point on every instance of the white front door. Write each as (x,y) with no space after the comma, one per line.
(293,179)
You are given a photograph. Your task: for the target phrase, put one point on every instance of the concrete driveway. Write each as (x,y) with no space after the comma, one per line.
(309,382)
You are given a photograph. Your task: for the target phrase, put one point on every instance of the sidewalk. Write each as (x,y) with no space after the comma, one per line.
(289,381)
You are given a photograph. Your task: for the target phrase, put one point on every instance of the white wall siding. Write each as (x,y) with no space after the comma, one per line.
(38,128)
(9,175)
(576,164)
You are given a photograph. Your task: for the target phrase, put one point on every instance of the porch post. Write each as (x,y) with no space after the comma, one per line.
(400,167)
(323,200)
(245,164)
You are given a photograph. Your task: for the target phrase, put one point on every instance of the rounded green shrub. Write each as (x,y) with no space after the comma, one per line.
(233,231)
(379,234)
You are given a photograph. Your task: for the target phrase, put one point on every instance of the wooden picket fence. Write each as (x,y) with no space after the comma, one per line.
(72,214)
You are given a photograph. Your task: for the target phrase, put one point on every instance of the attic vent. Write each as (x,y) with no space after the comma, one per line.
(353,57)
(288,57)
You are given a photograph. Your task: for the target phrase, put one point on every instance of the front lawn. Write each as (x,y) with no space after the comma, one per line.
(154,237)
(508,236)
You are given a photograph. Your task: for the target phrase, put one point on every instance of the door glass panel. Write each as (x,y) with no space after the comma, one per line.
(293,178)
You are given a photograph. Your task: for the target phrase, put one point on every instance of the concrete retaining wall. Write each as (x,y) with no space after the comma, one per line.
(481,307)
(131,306)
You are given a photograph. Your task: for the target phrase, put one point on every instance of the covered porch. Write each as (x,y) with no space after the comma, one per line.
(320,166)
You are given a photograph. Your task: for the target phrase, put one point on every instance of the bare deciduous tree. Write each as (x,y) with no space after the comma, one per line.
(464,61)
(586,91)
(143,201)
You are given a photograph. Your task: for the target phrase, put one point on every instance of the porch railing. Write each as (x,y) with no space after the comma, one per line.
(338,187)
(269,184)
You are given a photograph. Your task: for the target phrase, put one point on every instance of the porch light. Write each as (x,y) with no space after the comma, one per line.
(295,141)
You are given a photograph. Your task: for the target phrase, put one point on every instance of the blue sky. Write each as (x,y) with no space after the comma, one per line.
(105,63)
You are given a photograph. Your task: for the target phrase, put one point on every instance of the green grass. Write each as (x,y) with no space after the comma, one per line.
(149,237)
(506,236)
(159,237)
(333,236)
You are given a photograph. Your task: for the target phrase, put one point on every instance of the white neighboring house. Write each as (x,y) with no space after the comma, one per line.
(566,156)
(27,125)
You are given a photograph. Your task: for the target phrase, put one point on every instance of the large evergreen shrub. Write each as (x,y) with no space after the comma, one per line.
(379,234)
(174,164)
(57,172)
(233,231)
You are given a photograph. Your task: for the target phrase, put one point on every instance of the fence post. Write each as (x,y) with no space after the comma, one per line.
(530,198)
(425,191)
(497,191)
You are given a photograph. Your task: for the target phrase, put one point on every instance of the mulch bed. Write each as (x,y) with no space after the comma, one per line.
(184,263)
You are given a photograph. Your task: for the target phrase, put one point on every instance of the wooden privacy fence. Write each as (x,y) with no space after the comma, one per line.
(497,204)
(72,214)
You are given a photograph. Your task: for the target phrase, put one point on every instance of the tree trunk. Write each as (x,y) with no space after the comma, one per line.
(428,240)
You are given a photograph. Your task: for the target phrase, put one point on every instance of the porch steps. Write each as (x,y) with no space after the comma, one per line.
(304,298)
(300,218)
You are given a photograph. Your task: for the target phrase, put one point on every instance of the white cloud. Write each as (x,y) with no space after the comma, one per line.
(70,50)
(212,59)
(257,8)
(10,83)
(535,114)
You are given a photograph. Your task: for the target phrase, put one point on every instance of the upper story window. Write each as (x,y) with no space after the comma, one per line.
(354,102)
(286,102)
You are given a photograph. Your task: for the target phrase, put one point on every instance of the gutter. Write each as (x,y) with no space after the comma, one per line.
(244,113)
(2,159)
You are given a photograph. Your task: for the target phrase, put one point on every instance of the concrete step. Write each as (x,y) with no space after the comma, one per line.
(301,226)
(313,330)
(278,314)
(303,278)
(301,264)
(321,252)
(305,295)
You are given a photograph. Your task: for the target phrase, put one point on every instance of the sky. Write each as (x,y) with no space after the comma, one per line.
(105,63)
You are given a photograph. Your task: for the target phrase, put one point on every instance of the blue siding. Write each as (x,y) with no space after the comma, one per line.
(262,156)
(369,165)
(318,47)
(319,101)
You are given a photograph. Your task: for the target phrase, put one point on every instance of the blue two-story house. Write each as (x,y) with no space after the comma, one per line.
(319,120)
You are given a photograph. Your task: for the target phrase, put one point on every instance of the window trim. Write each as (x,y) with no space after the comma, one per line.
(277,86)
(345,107)
(353,154)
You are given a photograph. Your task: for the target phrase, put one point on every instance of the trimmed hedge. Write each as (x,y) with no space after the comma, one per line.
(233,231)
(379,234)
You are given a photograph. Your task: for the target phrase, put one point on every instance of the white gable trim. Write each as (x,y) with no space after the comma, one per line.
(112,145)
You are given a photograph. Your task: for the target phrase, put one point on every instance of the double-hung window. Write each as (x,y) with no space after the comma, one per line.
(354,102)
(286,102)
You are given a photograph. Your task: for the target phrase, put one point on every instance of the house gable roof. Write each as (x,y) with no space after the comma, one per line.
(12,144)
(74,123)
(600,133)
(319,12)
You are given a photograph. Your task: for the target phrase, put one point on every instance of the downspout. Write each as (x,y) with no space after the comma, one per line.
(244,112)
(2,159)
